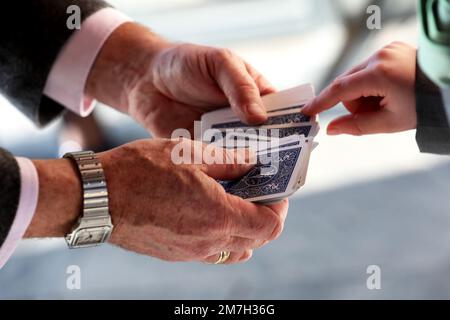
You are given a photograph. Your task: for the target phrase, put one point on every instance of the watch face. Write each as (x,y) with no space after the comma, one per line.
(91,236)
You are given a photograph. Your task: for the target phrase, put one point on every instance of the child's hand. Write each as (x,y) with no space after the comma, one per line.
(379,93)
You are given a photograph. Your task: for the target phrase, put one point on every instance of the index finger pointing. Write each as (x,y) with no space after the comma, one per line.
(346,88)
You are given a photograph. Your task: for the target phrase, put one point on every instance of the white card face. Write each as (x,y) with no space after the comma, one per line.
(231,141)
(301,178)
(259,144)
(284,143)
(240,139)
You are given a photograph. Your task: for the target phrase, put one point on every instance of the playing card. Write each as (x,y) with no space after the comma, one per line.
(238,139)
(301,178)
(269,181)
(279,131)
(282,100)
(276,118)
(290,141)
(230,142)
(283,145)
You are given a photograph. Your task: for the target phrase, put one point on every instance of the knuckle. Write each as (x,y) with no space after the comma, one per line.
(259,244)
(277,227)
(359,130)
(245,96)
(246,256)
(383,69)
(383,54)
(337,85)
(245,88)
(257,77)
(223,54)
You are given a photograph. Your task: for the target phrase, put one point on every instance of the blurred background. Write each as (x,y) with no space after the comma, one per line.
(367,201)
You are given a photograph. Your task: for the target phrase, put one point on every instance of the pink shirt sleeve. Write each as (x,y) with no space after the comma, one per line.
(67,78)
(65,84)
(29,190)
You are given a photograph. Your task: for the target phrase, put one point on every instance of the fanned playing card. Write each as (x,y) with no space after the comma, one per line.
(283,145)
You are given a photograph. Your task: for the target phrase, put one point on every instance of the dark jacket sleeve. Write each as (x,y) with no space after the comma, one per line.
(32,32)
(9,192)
(433,130)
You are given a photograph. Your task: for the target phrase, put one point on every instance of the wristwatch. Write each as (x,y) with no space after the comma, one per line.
(94,225)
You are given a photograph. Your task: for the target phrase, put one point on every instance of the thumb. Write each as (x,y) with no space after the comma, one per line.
(235,163)
(241,90)
(362,123)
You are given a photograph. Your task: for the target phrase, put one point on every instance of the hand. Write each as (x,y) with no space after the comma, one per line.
(379,94)
(168,86)
(172,212)
(179,212)
(186,81)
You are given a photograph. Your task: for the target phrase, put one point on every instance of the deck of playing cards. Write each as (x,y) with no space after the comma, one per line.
(282,145)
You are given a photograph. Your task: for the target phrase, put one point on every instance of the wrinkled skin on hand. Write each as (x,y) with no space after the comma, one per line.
(185,81)
(179,212)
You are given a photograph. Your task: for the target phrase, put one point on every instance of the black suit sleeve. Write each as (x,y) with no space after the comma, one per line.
(32,32)
(433,130)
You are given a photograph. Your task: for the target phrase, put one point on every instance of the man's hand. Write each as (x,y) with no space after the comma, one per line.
(379,93)
(168,211)
(186,81)
(168,86)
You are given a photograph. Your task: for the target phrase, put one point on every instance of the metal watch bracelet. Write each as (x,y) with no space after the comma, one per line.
(94,226)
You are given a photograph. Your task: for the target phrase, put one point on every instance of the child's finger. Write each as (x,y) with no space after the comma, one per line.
(352,87)
(362,123)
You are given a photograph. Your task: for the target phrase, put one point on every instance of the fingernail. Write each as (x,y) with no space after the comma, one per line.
(256,109)
(333,131)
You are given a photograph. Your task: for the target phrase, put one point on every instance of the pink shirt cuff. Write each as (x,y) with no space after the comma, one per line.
(67,78)
(29,190)
(65,84)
